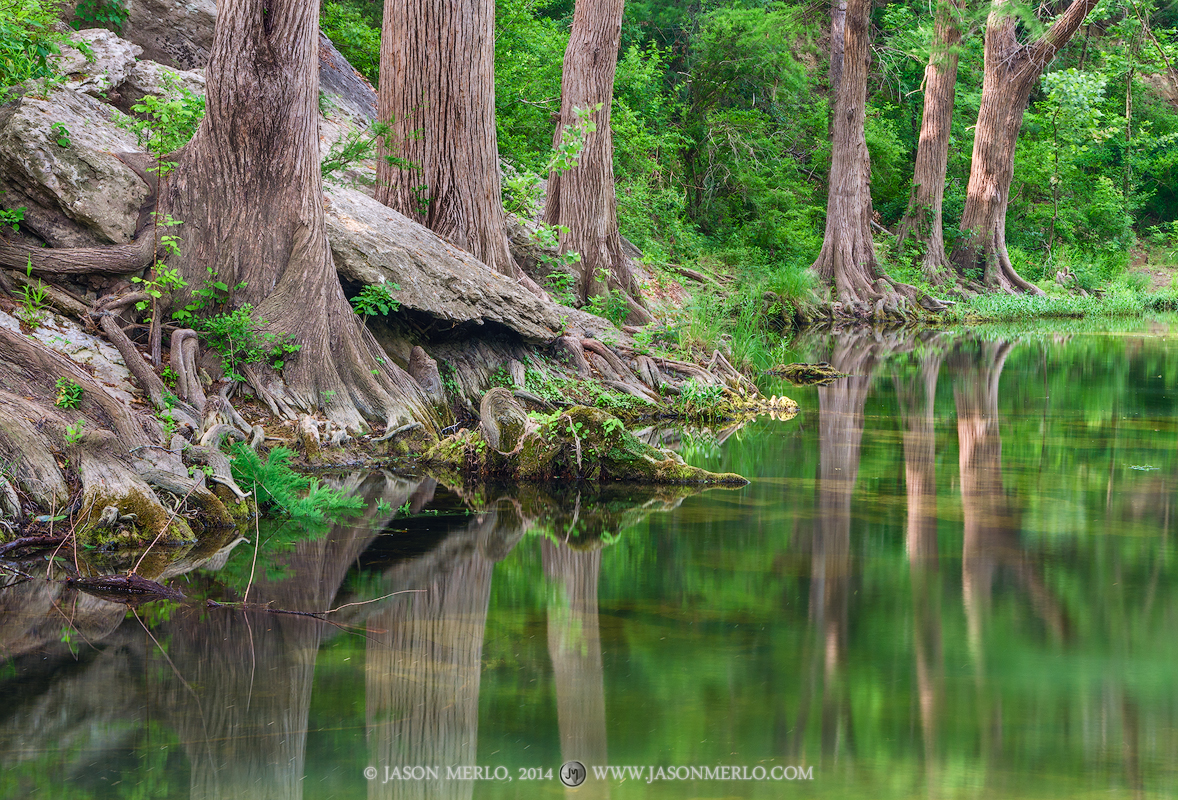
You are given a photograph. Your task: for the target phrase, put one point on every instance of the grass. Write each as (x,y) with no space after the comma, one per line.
(1123,297)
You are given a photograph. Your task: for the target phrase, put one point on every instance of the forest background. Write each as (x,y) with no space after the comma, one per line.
(721,116)
(720,121)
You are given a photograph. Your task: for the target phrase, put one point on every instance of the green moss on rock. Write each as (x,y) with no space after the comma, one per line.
(581,443)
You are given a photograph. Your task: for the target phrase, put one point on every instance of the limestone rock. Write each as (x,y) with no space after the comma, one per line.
(150,78)
(113,59)
(176,33)
(372,242)
(98,356)
(78,193)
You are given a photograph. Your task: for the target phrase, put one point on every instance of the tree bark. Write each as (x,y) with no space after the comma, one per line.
(582,199)
(848,254)
(922,221)
(250,195)
(437,92)
(1011,69)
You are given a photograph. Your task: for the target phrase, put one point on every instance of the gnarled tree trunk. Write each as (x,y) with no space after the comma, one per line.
(1011,69)
(250,195)
(922,221)
(437,92)
(848,254)
(582,199)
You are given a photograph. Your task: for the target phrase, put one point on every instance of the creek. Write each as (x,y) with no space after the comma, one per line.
(951,576)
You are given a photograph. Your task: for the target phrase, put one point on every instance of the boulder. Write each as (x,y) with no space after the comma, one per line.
(97,356)
(149,78)
(171,32)
(372,242)
(76,192)
(109,62)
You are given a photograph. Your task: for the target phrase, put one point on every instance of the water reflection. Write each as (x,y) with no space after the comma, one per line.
(916,389)
(954,579)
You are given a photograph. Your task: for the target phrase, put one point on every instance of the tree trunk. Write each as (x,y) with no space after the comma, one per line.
(437,92)
(1011,70)
(838,40)
(922,221)
(582,199)
(848,254)
(248,190)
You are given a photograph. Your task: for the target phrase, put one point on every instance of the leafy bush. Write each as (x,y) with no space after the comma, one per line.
(27,41)
(239,339)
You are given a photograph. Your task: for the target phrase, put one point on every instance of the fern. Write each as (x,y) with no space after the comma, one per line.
(280,488)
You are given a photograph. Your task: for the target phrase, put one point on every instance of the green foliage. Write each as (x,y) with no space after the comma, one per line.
(69,394)
(376,298)
(165,124)
(279,488)
(214,292)
(60,134)
(356,39)
(100,14)
(612,306)
(239,340)
(355,147)
(74,433)
(521,193)
(164,280)
(27,42)
(698,400)
(34,302)
(12,218)
(529,48)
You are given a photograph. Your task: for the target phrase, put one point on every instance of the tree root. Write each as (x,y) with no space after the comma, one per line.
(182,357)
(197,455)
(120,259)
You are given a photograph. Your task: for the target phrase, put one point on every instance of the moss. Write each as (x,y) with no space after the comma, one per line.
(581,444)
(150,519)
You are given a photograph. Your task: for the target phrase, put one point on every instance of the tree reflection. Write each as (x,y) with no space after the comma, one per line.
(237,685)
(424,657)
(840,431)
(574,645)
(916,388)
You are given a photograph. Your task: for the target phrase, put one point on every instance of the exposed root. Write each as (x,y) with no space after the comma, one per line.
(205,456)
(183,360)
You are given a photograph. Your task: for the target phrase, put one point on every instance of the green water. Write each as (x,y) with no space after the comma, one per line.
(951,576)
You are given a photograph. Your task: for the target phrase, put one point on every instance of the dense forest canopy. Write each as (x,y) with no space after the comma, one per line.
(721,127)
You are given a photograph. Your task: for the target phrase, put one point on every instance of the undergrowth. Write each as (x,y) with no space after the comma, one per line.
(279,488)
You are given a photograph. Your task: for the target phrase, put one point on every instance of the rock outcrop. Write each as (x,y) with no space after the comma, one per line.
(58,160)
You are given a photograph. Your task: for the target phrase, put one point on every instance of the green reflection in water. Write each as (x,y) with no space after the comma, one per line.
(951,577)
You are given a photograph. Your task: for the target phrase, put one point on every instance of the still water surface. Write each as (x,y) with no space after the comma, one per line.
(951,576)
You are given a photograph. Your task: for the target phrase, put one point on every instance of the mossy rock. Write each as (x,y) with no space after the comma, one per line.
(580,444)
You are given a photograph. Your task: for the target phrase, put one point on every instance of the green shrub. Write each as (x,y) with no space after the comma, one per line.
(27,41)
